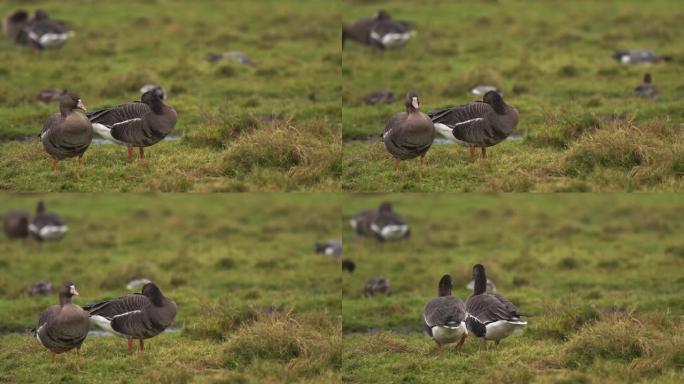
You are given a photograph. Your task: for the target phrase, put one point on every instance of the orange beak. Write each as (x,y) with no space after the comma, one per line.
(81,105)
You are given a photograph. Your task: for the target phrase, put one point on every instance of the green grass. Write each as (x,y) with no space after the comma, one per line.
(120,46)
(553,62)
(598,272)
(227,260)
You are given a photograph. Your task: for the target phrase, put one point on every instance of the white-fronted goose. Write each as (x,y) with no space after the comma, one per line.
(138,316)
(16,224)
(389,34)
(47,226)
(444,316)
(639,56)
(388,225)
(63,327)
(409,134)
(359,30)
(361,222)
(478,124)
(13,24)
(376,285)
(348,266)
(647,90)
(490,316)
(43,32)
(67,133)
(153,87)
(329,248)
(137,124)
(379,97)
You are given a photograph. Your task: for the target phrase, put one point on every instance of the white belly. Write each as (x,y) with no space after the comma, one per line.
(391,232)
(501,329)
(49,232)
(445,334)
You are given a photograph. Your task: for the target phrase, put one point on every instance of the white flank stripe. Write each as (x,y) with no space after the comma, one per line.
(126,121)
(467,121)
(126,313)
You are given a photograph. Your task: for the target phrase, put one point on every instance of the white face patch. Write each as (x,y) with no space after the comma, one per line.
(415,102)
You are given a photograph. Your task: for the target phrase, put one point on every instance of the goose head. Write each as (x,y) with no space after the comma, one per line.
(153,293)
(647,78)
(153,100)
(385,207)
(66,291)
(494,99)
(445,286)
(382,15)
(70,101)
(412,102)
(480,278)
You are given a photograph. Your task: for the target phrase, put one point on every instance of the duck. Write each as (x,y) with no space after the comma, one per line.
(16,224)
(478,124)
(136,124)
(63,327)
(647,90)
(444,316)
(41,32)
(67,133)
(359,30)
(348,266)
(138,316)
(329,248)
(491,316)
(389,34)
(379,97)
(376,285)
(639,56)
(409,134)
(47,226)
(14,23)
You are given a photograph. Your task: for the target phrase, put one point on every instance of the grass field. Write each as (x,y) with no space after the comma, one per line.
(599,273)
(227,141)
(552,60)
(255,303)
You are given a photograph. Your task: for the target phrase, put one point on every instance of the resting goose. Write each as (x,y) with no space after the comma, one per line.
(388,225)
(361,222)
(47,226)
(379,97)
(389,34)
(477,124)
(409,134)
(14,23)
(376,285)
(490,315)
(138,316)
(49,95)
(137,124)
(63,327)
(647,90)
(67,133)
(639,56)
(359,31)
(42,32)
(444,316)
(329,248)
(16,224)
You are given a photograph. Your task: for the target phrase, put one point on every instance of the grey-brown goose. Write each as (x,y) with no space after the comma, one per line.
(67,133)
(647,90)
(388,225)
(138,316)
(16,224)
(359,30)
(47,226)
(477,124)
(444,316)
(389,34)
(490,315)
(63,327)
(376,285)
(329,248)
(409,134)
(14,23)
(41,32)
(137,124)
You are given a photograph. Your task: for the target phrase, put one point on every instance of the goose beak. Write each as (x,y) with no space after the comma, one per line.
(73,290)
(415,103)
(81,105)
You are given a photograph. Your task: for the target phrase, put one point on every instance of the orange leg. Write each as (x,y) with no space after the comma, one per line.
(484,152)
(53,357)
(142,345)
(422,163)
(54,166)
(472,152)
(130,153)
(78,353)
(142,153)
(396,163)
(439,346)
(81,161)
(460,343)
(130,344)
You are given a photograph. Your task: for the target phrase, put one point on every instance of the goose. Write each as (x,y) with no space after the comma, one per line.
(490,316)
(376,285)
(40,288)
(63,327)
(359,30)
(235,56)
(647,90)
(49,95)
(388,225)
(409,134)
(42,32)
(137,124)
(138,316)
(14,23)
(361,222)
(639,56)
(16,224)
(379,97)
(47,226)
(348,266)
(477,124)
(153,87)
(444,316)
(67,133)
(389,34)
(329,248)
